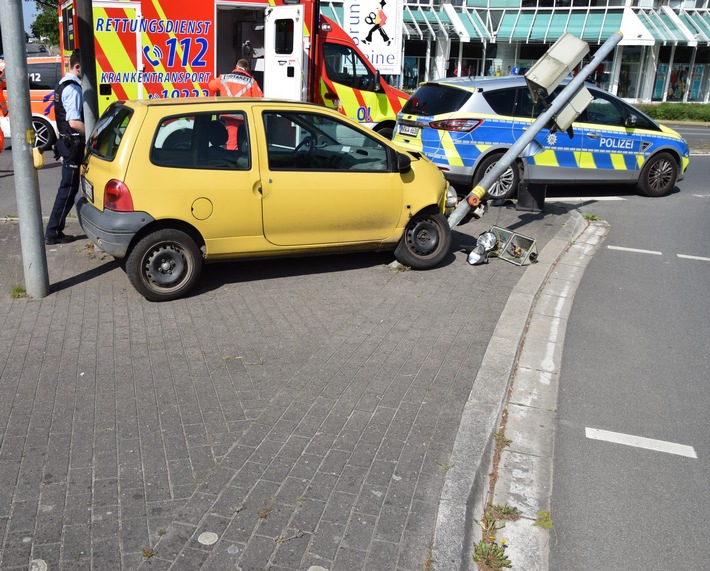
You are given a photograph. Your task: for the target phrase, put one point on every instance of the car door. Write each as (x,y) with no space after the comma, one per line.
(610,148)
(326,181)
(553,156)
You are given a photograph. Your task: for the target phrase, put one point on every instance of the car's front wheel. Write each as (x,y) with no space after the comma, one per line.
(425,242)
(164,265)
(507,184)
(658,175)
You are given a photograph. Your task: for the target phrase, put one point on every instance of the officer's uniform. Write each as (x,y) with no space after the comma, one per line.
(68,106)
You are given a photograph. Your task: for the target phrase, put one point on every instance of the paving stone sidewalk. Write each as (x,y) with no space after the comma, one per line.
(303,410)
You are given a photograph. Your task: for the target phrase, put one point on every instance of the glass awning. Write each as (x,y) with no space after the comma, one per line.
(546,26)
(662,27)
(698,22)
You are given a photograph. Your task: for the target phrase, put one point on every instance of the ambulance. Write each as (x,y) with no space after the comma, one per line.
(157,49)
(43,74)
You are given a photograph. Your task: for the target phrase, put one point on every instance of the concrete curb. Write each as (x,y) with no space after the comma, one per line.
(525,471)
(470,458)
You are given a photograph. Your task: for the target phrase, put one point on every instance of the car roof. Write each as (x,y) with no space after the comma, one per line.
(198,101)
(480,81)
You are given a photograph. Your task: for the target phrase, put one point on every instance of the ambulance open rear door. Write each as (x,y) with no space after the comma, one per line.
(284,55)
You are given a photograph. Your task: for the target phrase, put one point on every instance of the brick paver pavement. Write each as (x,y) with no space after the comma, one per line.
(302,410)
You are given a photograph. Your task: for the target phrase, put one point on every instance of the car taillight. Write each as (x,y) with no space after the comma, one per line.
(459,125)
(117,196)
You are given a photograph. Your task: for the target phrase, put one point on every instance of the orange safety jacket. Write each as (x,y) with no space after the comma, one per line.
(236,84)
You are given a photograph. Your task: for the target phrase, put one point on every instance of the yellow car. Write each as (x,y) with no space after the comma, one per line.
(170,184)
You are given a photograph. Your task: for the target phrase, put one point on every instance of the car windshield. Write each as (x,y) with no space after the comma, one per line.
(432,99)
(108,133)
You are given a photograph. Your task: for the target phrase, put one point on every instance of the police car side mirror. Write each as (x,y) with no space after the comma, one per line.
(630,121)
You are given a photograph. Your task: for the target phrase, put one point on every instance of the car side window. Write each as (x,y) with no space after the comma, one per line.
(43,75)
(204,141)
(502,101)
(526,108)
(310,141)
(603,111)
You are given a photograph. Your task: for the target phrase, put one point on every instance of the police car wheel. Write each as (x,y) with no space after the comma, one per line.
(507,184)
(164,265)
(658,175)
(425,242)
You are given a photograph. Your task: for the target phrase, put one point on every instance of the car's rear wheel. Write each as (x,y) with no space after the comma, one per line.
(44,133)
(164,265)
(507,184)
(426,241)
(658,175)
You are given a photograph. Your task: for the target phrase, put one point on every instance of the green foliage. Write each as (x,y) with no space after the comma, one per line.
(491,555)
(46,23)
(676,111)
(544,520)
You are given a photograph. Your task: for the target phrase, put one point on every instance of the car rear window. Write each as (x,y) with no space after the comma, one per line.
(432,99)
(108,133)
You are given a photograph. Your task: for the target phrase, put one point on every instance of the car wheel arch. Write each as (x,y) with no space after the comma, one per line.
(168,223)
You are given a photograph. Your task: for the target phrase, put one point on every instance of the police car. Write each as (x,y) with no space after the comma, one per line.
(465,125)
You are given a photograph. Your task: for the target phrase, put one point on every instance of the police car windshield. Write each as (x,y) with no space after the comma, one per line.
(432,99)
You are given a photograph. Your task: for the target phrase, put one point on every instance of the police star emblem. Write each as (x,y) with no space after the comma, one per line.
(551,139)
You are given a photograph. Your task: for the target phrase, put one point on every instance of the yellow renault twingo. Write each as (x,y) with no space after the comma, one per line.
(169,184)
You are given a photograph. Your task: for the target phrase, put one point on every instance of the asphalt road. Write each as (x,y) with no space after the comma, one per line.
(635,364)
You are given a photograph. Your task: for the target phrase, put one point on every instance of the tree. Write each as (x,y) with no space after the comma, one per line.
(46,23)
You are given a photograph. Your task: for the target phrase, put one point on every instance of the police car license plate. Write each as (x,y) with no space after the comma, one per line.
(87,188)
(408,130)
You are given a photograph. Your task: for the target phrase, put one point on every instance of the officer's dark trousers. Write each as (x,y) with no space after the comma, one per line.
(64,201)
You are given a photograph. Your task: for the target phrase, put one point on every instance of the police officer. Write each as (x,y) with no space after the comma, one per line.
(69,113)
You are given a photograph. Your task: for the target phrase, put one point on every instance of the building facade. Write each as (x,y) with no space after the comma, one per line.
(664,55)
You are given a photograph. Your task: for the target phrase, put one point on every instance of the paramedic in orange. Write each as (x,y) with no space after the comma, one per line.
(3,107)
(239,83)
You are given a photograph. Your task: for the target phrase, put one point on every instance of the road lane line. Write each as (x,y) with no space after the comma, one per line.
(686,257)
(641,442)
(583,198)
(654,252)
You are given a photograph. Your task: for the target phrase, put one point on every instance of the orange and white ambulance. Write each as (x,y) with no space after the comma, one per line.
(43,74)
(164,48)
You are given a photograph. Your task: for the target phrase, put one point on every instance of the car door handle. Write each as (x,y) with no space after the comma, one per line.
(593,135)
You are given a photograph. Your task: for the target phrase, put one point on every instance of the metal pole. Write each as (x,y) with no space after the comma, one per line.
(29,208)
(529,135)
(85,25)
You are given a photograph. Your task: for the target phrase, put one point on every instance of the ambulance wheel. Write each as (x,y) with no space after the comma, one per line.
(44,133)
(658,175)
(164,265)
(425,242)
(507,184)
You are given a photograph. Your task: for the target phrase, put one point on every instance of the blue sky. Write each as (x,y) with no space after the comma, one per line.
(29,11)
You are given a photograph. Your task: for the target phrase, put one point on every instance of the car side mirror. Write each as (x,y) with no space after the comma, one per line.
(377,84)
(404,162)
(630,121)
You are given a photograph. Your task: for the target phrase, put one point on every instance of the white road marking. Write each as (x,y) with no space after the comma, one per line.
(701,195)
(584,198)
(693,257)
(654,252)
(641,442)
